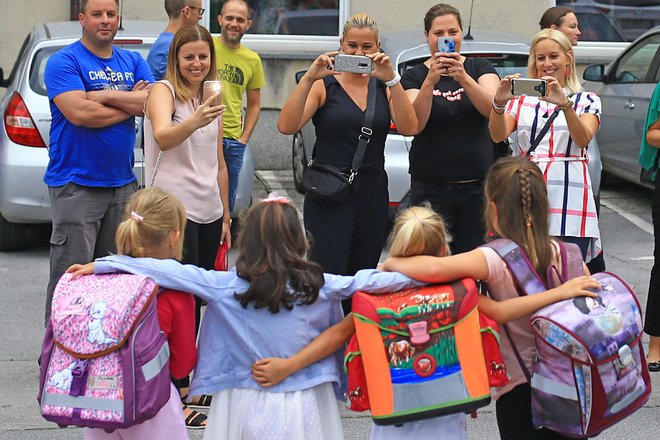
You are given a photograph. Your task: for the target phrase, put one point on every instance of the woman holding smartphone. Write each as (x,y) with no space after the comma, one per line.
(574,118)
(451,95)
(183,155)
(349,235)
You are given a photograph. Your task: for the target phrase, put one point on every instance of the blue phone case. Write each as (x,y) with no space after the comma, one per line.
(446,44)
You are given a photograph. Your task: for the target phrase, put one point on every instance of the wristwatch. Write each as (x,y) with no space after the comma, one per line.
(394,81)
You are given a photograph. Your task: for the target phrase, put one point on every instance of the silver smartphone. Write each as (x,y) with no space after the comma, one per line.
(352,63)
(446,45)
(528,86)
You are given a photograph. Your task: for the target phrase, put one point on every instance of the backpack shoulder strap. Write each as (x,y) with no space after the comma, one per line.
(572,264)
(522,271)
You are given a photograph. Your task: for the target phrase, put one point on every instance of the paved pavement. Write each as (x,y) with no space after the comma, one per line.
(23,277)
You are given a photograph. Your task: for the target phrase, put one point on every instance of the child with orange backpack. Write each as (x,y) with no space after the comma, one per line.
(418,231)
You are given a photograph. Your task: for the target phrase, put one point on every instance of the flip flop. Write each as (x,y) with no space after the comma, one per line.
(195,420)
(203,402)
(654,366)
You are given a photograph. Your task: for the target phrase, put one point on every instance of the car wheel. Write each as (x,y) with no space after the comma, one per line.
(12,236)
(298,162)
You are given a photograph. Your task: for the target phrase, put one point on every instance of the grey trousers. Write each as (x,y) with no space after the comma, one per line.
(85,221)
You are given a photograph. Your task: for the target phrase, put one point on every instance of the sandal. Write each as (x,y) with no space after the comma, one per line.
(654,366)
(203,401)
(194,420)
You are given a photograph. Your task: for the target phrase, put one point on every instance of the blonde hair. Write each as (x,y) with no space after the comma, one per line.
(188,34)
(150,216)
(419,231)
(361,21)
(572,80)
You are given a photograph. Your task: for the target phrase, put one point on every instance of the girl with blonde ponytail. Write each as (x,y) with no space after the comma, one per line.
(516,209)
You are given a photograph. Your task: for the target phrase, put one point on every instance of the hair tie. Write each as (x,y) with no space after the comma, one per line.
(137,217)
(274,198)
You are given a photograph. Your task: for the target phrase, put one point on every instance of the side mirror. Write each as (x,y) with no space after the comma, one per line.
(299,75)
(594,72)
(3,82)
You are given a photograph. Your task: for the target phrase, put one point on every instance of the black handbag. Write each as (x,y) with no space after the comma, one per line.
(329,184)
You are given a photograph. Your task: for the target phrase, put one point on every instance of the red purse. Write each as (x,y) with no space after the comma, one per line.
(222,257)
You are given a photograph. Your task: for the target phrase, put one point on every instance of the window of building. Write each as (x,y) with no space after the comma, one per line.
(319,18)
(614,20)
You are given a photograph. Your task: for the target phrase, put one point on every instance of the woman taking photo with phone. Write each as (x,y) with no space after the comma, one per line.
(451,95)
(349,235)
(184,156)
(572,118)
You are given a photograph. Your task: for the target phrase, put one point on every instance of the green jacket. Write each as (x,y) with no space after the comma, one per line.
(648,154)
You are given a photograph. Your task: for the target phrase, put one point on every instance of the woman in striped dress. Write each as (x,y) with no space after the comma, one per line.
(561,153)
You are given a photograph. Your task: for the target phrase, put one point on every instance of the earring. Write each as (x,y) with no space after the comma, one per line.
(568,71)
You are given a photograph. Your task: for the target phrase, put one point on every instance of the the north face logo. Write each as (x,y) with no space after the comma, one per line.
(232,74)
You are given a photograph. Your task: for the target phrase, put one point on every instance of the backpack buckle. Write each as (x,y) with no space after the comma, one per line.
(79,368)
(418,332)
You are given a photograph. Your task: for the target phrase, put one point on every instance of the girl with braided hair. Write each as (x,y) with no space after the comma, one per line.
(517,209)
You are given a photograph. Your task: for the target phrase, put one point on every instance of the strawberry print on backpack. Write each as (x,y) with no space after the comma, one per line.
(105,361)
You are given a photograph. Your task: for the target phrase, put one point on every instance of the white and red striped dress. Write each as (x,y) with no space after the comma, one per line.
(563,164)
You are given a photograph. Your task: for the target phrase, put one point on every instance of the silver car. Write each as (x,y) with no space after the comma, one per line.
(507,52)
(625,88)
(25,126)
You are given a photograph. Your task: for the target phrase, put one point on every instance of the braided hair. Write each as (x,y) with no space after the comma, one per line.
(517,208)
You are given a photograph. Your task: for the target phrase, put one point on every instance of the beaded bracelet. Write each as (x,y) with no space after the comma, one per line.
(498,109)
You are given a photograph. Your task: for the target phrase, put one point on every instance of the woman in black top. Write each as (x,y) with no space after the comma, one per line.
(349,236)
(452,153)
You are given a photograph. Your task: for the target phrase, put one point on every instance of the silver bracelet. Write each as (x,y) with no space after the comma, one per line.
(497,108)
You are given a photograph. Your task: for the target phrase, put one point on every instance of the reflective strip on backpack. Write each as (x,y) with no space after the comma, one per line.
(553,387)
(154,366)
(83,402)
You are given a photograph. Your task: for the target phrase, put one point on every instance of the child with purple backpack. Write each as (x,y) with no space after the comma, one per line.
(153,226)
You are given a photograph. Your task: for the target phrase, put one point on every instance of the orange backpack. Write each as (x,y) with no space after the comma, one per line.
(418,353)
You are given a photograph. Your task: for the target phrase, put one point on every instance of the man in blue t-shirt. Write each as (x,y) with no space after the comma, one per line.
(95,92)
(181,13)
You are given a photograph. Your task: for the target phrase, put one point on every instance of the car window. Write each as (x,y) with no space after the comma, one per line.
(508,64)
(41,57)
(595,26)
(634,64)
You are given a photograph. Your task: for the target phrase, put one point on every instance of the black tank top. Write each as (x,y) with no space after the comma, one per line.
(338,124)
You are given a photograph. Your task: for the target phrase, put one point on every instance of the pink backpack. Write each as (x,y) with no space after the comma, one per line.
(104,359)
(590,371)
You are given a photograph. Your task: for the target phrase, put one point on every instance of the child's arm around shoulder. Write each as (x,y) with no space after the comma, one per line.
(470,264)
(167,273)
(367,280)
(268,372)
(521,306)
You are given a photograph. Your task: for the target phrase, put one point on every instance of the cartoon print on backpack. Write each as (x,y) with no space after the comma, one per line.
(608,318)
(62,379)
(97,312)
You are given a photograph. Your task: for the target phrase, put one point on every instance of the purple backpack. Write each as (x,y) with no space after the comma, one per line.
(104,359)
(590,371)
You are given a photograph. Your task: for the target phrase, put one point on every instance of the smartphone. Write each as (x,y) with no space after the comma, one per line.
(446,45)
(210,89)
(528,86)
(352,63)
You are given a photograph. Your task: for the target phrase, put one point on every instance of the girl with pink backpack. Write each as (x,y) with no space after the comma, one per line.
(153,226)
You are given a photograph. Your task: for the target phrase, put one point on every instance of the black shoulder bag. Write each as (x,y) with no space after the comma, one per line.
(327,183)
